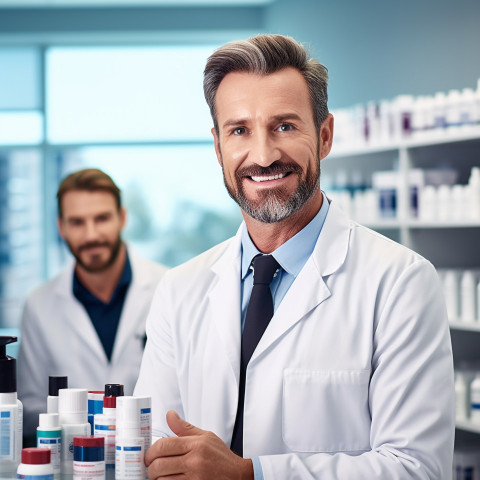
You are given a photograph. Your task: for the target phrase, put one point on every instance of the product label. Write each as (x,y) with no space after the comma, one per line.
(88,470)
(145,426)
(7,436)
(108,432)
(129,462)
(48,476)
(55,446)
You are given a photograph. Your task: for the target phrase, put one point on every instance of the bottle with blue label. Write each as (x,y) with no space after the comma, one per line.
(35,464)
(49,435)
(11,411)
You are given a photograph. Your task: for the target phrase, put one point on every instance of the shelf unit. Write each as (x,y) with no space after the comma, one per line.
(445,244)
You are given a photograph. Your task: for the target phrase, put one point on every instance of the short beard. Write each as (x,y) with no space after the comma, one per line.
(101,267)
(274,205)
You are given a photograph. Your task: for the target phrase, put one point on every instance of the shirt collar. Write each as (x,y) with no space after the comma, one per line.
(83,294)
(293,254)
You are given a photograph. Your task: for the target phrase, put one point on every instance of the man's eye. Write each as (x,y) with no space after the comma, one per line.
(285,127)
(239,131)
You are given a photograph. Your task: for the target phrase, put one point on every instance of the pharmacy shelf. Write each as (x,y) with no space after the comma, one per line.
(420,224)
(467,426)
(464,326)
(472,133)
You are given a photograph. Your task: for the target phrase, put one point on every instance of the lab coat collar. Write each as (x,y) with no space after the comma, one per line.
(81,324)
(306,293)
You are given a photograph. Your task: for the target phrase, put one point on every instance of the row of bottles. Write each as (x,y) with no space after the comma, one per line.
(462,294)
(433,196)
(423,117)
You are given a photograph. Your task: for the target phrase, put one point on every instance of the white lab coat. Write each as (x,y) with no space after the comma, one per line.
(353,378)
(58,338)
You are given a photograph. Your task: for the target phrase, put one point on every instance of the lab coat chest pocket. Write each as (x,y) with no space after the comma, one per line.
(326,411)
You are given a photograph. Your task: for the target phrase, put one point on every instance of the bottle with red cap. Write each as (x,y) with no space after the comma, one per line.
(35,464)
(88,458)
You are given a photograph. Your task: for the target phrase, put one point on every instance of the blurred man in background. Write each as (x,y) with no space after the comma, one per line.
(88,323)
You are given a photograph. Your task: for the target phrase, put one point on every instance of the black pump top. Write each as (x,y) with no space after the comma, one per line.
(55,384)
(8,367)
(114,390)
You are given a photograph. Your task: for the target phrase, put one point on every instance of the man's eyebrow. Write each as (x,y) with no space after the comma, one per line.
(234,122)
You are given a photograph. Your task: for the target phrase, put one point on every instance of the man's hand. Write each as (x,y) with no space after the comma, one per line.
(194,454)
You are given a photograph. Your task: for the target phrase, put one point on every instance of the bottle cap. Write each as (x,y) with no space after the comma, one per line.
(36,456)
(88,441)
(8,367)
(109,402)
(72,400)
(114,390)
(48,420)
(55,384)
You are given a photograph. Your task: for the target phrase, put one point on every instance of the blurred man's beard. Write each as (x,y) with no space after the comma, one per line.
(275,204)
(95,262)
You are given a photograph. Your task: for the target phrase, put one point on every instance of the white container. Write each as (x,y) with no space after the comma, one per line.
(474,193)
(11,411)
(130,448)
(475,399)
(450,288)
(35,464)
(73,408)
(49,435)
(468,292)
(105,426)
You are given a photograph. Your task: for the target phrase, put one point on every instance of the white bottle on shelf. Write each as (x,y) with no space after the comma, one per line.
(468,287)
(474,193)
(450,287)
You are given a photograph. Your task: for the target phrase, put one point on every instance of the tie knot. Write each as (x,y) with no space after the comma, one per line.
(264,267)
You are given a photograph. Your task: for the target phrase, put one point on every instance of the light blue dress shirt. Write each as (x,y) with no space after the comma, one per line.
(292,256)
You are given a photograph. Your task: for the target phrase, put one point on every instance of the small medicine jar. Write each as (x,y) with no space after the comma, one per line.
(35,464)
(88,457)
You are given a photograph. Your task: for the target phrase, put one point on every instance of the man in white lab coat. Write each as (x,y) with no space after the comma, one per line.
(88,323)
(353,376)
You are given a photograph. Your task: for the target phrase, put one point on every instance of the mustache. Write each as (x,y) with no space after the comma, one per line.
(273,169)
(88,245)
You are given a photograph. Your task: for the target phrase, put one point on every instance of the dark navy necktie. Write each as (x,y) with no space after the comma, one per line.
(259,314)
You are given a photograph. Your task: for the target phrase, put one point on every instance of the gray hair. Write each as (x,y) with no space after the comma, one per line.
(265,54)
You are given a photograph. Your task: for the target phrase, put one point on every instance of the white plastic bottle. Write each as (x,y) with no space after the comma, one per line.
(468,287)
(474,193)
(49,435)
(129,449)
(475,399)
(11,411)
(450,288)
(35,464)
(54,385)
(105,426)
(73,411)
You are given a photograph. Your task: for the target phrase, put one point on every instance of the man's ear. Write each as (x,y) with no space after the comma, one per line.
(325,136)
(216,142)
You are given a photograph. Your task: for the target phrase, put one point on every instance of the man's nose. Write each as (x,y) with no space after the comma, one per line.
(264,149)
(91,231)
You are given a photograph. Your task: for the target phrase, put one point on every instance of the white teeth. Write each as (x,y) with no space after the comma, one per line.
(271,177)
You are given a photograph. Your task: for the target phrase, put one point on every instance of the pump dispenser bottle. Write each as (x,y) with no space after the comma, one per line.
(11,411)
